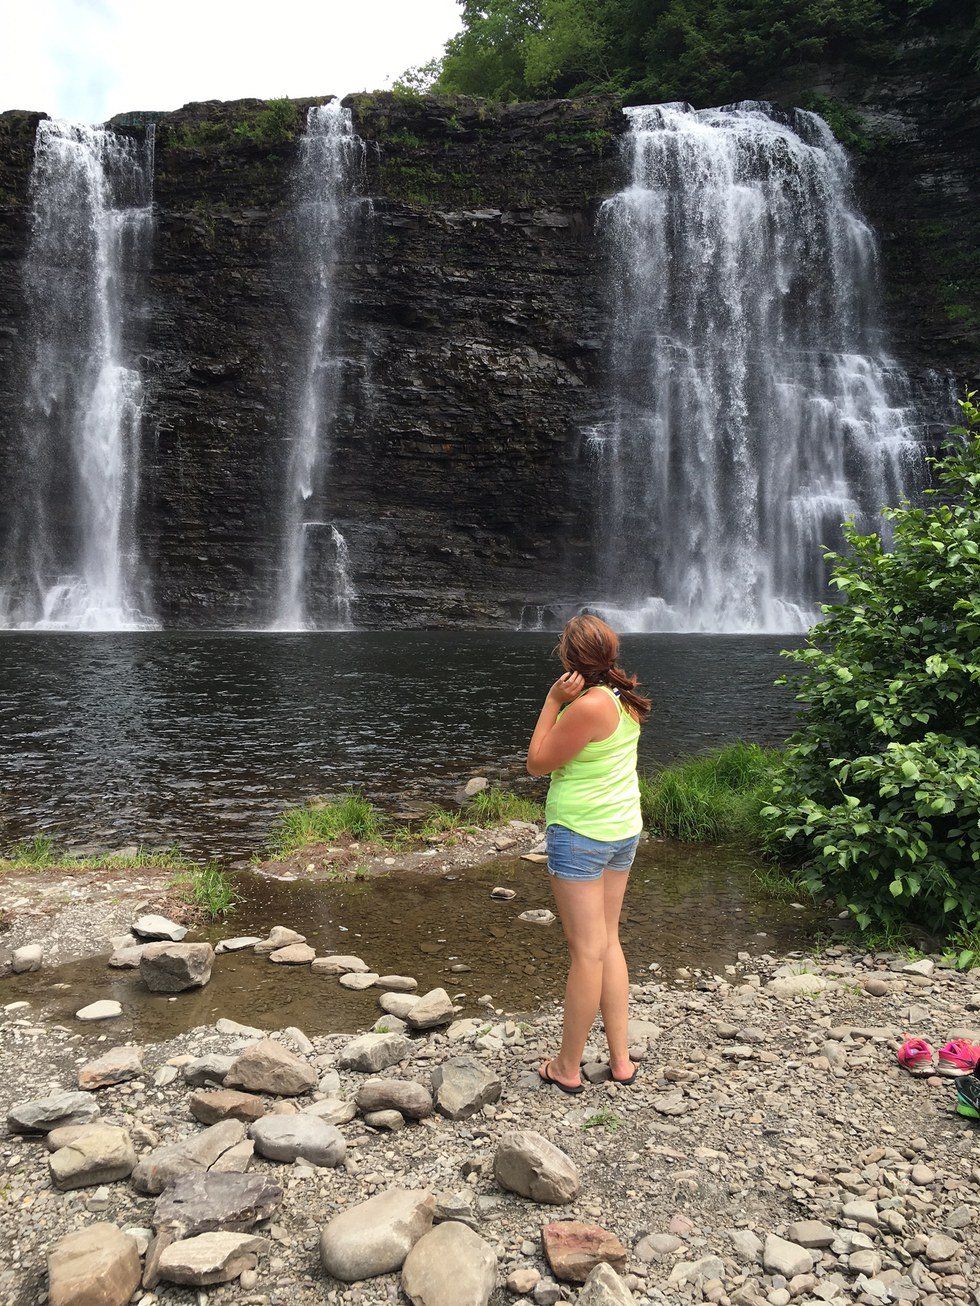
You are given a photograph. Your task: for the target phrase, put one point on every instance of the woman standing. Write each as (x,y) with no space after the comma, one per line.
(586,738)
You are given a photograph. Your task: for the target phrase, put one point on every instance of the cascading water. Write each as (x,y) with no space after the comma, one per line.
(72,561)
(324,209)
(753,406)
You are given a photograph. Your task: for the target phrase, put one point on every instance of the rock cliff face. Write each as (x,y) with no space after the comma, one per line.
(471,339)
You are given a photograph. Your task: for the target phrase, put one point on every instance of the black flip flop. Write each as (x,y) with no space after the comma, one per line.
(549,1079)
(626,1082)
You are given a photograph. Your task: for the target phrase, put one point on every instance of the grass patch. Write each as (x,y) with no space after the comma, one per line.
(208,888)
(42,853)
(495,805)
(779,884)
(604,1118)
(714,797)
(351,816)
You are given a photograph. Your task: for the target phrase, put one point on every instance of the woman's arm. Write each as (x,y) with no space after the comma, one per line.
(556,740)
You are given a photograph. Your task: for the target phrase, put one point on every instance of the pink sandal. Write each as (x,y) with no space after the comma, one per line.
(915,1055)
(958,1057)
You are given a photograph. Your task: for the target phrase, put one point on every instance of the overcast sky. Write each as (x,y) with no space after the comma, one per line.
(90,59)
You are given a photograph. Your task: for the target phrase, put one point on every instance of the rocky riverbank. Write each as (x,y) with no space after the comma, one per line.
(771,1152)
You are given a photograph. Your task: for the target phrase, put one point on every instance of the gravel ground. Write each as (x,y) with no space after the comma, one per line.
(756,1108)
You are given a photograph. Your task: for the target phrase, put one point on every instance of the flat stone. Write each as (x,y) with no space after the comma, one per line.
(106,1009)
(155,926)
(340,964)
(210,1069)
(25,960)
(370,1053)
(268,1067)
(656,1246)
(604,1287)
(294,954)
(203,1203)
(450,1266)
(236,1160)
(389,1025)
(176,967)
(574,1249)
(432,1009)
(811,1233)
(796,986)
(332,1110)
(289,1138)
(526,1163)
(375,1236)
(538,916)
(101,1155)
(780,1256)
(113,1067)
(464,1085)
(237,944)
(234,1027)
(358,980)
(701,1271)
(413,1100)
(40,1114)
(861,1211)
(279,937)
(210,1258)
(924,966)
(941,1247)
(211,1105)
(390,1120)
(55,1139)
(165,1165)
(397,1004)
(97,1266)
(127,958)
(397,983)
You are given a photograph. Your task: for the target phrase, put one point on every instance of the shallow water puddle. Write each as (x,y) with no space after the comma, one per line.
(687,907)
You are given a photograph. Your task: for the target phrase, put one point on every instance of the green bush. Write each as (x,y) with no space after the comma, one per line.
(703,799)
(878,794)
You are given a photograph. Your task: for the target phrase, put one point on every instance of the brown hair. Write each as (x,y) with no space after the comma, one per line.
(591,648)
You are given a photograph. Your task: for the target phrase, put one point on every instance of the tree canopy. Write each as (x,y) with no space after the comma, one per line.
(704,51)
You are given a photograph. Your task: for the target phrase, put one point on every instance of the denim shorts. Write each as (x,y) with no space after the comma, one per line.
(574,856)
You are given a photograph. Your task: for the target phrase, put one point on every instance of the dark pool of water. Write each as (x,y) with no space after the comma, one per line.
(199,740)
(686,906)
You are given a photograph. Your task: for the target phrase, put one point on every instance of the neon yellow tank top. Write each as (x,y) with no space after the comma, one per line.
(597,793)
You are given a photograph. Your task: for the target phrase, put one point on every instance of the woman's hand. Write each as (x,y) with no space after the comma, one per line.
(567,687)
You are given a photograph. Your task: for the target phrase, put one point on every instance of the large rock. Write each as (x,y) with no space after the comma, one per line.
(432,1009)
(294,954)
(100,1155)
(413,1100)
(268,1067)
(289,1138)
(397,1004)
(104,1009)
(25,960)
(786,1258)
(174,967)
(376,1236)
(373,1052)
(574,1249)
(238,944)
(450,1266)
(339,964)
(97,1266)
(155,926)
(113,1067)
(279,937)
(462,1085)
(210,1069)
(203,1203)
(211,1105)
(604,1287)
(210,1258)
(40,1114)
(165,1165)
(528,1164)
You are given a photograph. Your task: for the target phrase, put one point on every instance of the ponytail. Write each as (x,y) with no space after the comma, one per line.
(591,647)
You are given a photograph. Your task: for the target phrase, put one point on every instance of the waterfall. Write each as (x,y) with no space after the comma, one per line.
(324,207)
(72,557)
(753,407)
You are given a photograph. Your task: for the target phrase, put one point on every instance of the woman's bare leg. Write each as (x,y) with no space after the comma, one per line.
(580,906)
(614,1000)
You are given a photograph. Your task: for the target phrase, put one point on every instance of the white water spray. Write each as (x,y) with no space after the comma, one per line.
(73,557)
(324,208)
(754,405)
